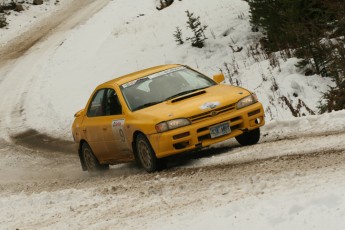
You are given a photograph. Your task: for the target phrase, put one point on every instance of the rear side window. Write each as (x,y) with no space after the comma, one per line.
(96,107)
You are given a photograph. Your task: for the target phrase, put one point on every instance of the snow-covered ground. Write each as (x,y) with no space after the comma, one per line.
(126,36)
(20,22)
(292,179)
(295,181)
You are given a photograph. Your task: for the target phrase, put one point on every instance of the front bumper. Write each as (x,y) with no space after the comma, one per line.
(197,135)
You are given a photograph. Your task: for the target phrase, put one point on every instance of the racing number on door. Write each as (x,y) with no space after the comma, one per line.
(122,135)
(117,126)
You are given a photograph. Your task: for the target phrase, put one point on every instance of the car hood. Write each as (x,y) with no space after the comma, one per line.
(195,103)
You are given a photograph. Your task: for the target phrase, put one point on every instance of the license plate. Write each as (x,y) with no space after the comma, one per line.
(220,130)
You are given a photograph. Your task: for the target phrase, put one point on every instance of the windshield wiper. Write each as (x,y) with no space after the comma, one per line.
(183,93)
(147,105)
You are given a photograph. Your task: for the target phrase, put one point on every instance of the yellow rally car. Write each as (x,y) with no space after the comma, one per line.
(162,111)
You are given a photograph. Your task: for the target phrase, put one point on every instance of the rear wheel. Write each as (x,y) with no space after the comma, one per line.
(249,138)
(91,162)
(145,153)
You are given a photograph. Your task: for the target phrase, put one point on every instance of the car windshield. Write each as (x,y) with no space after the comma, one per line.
(162,86)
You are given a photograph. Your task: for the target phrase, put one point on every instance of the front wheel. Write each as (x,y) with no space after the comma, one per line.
(91,162)
(145,153)
(249,138)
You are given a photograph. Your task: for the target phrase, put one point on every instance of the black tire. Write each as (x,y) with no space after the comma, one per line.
(146,155)
(249,138)
(91,163)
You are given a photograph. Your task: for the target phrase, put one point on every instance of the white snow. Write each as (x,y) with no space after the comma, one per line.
(45,87)
(21,22)
(126,36)
(304,207)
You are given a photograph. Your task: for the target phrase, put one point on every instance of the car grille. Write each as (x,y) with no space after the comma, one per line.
(211,113)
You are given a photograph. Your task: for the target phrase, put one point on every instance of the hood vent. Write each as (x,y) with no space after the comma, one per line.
(188,96)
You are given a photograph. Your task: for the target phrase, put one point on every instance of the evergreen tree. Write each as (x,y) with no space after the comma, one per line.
(315,29)
(178,36)
(334,99)
(290,23)
(194,24)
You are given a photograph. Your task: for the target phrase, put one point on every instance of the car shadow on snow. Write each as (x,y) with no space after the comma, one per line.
(186,159)
(169,163)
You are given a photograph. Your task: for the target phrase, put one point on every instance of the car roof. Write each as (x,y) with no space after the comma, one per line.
(139,74)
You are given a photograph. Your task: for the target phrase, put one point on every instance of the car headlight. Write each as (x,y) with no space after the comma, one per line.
(172,124)
(249,100)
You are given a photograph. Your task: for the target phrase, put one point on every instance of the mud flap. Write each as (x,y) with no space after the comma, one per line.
(81,158)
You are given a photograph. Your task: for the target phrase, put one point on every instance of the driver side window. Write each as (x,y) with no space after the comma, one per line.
(96,107)
(112,103)
(104,103)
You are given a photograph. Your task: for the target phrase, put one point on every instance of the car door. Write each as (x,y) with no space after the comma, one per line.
(92,125)
(115,137)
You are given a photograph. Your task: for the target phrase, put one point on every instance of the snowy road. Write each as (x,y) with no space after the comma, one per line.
(292,179)
(21,60)
(66,17)
(58,171)
(62,196)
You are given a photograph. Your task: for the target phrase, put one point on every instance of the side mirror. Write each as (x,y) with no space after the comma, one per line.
(79,113)
(218,78)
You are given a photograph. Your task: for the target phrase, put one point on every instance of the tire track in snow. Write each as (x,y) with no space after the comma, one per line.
(117,201)
(231,173)
(73,14)
(19,58)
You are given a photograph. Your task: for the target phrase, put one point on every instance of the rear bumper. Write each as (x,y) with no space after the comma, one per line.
(197,135)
